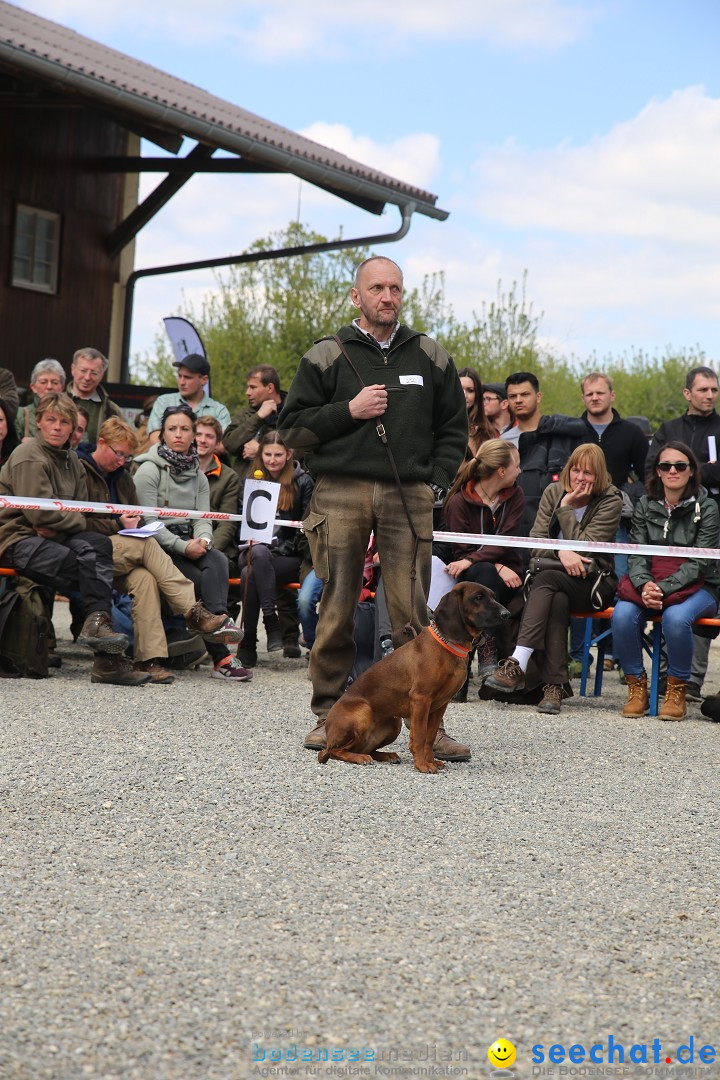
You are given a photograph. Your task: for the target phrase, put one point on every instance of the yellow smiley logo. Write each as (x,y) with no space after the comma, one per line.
(501,1054)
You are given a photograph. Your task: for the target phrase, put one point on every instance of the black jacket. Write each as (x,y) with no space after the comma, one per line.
(694,431)
(624,446)
(543,454)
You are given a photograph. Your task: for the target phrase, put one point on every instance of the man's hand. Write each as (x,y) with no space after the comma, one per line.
(267,408)
(47,534)
(251,448)
(369,403)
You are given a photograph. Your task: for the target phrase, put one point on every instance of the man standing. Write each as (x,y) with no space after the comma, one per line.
(623,444)
(87,370)
(193,374)
(544,442)
(699,428)
(248,426)
(385,375)
(497,406)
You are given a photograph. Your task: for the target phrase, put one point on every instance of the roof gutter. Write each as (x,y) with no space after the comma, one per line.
(235,260)
(162,114)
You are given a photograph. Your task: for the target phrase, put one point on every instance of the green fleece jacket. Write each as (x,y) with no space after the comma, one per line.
(36,470)
(425,421)
(695,522)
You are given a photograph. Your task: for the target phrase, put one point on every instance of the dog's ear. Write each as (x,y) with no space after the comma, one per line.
(450,613)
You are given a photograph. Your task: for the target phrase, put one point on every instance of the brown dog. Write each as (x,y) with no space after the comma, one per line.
(416,681)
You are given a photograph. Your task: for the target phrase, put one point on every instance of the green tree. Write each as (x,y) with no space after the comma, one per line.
(268,312)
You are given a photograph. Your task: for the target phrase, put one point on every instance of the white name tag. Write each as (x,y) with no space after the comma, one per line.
(411,380)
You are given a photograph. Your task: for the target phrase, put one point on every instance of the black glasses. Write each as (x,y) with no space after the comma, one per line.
(678,466)
(127,458)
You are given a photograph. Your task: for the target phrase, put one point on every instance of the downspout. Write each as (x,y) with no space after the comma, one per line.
(407,210)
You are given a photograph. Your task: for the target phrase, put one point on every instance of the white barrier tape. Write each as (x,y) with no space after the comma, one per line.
(479,539)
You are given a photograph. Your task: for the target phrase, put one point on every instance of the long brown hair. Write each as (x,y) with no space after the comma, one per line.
(479,427)
(285,479)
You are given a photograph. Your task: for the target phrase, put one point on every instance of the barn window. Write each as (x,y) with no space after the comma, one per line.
(36,249)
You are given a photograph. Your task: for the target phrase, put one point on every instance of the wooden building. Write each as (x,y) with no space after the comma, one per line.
(72,114)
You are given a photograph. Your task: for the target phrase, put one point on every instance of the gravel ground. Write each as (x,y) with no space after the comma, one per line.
(184,888)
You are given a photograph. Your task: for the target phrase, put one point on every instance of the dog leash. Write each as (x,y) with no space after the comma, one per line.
(408,628)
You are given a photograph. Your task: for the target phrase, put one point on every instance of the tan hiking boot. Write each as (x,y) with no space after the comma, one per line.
(507,676)
(445,748)
(638,698)
(99,634)
(117,671)
(673,707)
(316,739)
(551,699)
(218,628)
(155,669)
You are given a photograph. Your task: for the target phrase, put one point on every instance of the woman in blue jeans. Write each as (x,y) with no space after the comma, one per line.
(676,512)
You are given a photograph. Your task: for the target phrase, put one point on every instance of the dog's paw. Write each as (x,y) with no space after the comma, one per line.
(390,757)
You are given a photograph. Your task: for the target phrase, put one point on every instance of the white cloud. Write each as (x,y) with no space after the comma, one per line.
(281,28)
(651,178)
(413,158)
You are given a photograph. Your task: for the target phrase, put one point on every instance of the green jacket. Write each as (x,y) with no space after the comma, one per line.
(98,411)
(426,417)
(599,523)
(695,522)
(36,470)
(225,497)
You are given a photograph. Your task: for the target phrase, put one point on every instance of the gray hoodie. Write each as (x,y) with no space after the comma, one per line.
(156,486)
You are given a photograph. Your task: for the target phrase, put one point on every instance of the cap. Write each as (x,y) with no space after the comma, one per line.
(194,362)
(495,388)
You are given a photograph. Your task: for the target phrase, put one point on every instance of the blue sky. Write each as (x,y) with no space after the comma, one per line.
(576,139)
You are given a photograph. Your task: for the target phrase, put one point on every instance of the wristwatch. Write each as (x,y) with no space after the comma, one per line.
(438,491)
(207,541)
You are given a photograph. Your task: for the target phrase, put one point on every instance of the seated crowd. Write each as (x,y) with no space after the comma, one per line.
(593,479)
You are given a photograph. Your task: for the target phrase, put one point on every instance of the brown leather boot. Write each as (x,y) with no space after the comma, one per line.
(99,634)
(117,671)
(317,738)
(638,697)
(673,707)
(445,748)
(155,669)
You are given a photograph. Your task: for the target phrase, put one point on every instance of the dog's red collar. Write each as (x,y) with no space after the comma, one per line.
(451,646)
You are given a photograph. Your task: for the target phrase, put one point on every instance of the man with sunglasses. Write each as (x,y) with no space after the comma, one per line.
(698,428)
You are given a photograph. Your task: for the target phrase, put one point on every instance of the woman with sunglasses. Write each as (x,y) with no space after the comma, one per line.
(676,511)
(169,475)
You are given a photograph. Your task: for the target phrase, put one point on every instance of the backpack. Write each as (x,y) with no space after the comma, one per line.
(24,627)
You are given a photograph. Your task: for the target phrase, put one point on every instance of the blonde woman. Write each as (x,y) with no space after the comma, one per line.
(582,505)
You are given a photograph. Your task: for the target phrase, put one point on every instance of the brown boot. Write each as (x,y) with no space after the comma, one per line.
(155,669)
(117,671)
(445,748)
(218,628)
(638,697)
(317,738)
(551,699)
(673,707)
(99,634)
